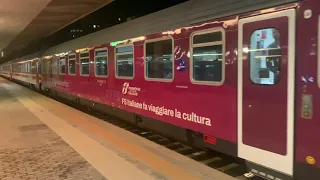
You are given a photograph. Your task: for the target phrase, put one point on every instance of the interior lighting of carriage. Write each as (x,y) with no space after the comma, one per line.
(208,54)
(124,60)
(62,54)
(83,49)
(246,50)
(26,61)
(47,57)
(116,43)
(267,56)
(262,49)
(141,38)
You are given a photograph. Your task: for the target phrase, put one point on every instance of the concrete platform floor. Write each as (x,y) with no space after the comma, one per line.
(44,139)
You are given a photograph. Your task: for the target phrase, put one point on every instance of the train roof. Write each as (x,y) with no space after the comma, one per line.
(185,14)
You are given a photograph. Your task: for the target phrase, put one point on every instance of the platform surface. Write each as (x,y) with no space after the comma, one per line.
(41,138)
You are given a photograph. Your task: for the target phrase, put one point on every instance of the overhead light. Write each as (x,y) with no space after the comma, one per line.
(94,26)
(119,19)
(2,53)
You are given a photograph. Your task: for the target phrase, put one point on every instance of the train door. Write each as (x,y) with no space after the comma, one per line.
(266,91)
(38,72)
(100,73)
(10,71)
(85,73)
(44,72)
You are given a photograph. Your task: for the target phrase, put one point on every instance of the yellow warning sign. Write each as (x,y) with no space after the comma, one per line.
(310,160)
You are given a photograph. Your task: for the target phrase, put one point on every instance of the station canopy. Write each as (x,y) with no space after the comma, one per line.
(23,22)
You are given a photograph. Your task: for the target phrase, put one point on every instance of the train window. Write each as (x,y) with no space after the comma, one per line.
(38,69)
(72,64)
(26,67)
(29,67)
(54,66)
(207,60)
(23,67)
(47,66)
(159,59)
(16,68)
(124,62)
(63,65)
(265,56)
(33,67)
(101,62)
(84,64)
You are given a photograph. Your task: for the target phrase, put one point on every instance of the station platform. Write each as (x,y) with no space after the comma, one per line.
(44,139)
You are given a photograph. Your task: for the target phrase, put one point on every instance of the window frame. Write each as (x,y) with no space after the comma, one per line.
(249,56)
(145,59)
(29,68)
(75,63)
(222,42)
(115,60)
(22,67)
(57,65)
(318,69)
(95,67)
(80,59)
(65,62)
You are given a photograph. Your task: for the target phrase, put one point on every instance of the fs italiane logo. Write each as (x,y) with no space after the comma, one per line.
(127,89)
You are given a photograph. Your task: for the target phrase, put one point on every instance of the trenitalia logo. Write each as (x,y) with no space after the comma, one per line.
(133,91)
(125,88)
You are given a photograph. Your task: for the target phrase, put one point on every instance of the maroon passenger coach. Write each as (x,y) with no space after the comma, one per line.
(247,84)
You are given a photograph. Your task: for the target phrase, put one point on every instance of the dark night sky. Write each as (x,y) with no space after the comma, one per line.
(109,16)
(102,18)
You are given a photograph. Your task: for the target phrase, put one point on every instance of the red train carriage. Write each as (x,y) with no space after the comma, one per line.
(27,72)
(246,85)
